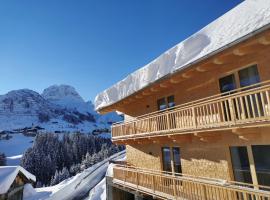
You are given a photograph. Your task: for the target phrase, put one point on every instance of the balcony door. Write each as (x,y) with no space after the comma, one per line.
(241,79)
(240,164)
(261,154)
(162,105)
(255,156)
(171,160)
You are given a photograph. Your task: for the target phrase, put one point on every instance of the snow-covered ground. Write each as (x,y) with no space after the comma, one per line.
(15,147)
(98,192)
(77,186)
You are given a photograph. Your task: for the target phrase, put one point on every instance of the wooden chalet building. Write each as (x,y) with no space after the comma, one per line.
(12,182)
(202,129)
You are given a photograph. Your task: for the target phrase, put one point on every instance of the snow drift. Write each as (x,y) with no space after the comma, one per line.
(247,17)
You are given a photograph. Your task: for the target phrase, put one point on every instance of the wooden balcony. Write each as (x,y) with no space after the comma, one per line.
(245,107)
(164,185)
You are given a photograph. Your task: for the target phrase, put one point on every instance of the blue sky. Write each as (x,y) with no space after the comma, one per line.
(92,44)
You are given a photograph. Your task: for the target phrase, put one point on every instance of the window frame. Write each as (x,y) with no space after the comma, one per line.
(236,75)
(166,100)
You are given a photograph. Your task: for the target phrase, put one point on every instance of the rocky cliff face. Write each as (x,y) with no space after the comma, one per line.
(58,108)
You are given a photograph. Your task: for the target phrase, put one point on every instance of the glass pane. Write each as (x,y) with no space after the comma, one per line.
(249,76)
(170,101)
(262,163)
(240,162)
(227,83)
(162,104)
(177,160)
(166,159)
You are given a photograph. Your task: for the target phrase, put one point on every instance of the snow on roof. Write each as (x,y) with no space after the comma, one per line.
(235,25)
(8,175)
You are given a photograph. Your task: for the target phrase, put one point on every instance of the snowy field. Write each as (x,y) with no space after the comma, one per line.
(15,147)
(78,186)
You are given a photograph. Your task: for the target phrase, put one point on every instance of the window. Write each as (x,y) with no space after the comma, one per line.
(240,162)
(164,103)
(227,83)
(249,76)
(170,101)
(167,160)
(262,163)
(176,159)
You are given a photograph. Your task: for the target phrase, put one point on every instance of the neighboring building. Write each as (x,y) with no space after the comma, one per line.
(12,181)
(197,118)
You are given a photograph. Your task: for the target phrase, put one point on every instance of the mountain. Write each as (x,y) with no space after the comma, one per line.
(58,108)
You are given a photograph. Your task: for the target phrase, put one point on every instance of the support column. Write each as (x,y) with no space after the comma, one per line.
(252,166)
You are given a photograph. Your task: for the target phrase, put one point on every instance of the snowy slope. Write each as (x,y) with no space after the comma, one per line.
(76,186)
(58,108)
(247,17)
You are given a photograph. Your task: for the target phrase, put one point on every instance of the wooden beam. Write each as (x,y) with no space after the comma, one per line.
(252,166)
(154,89)
(138,97)
(265,40)
(201,69)
(146,93)
(208,137)
(245,131)
(186,75)
(218,61)
(238,52)
(187,138)
(163,85)
(175,81)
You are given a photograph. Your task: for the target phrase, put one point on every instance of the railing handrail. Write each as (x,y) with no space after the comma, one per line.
(225,95)
(199,179)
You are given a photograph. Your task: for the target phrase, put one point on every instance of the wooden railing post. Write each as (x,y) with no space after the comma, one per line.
(168,121)
(194,117)
(204,192)
(174,187)
(134,127)
(153,183)
(232,110)
(137,180)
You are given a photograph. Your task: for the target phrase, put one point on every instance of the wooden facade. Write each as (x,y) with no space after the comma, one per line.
(209,134)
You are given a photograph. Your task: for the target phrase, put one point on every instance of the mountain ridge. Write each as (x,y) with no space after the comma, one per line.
(57,108)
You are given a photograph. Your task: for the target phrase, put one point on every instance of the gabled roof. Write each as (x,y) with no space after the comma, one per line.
(240,23)
(8,175)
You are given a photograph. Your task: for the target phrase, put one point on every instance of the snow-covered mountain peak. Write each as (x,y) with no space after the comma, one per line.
(59,108)
(60,92)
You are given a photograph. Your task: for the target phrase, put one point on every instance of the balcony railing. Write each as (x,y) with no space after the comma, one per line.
(165,185)
(249,106)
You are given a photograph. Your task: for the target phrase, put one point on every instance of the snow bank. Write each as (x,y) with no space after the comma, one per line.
(76,186)
(14,160)
(247,17)
(99,191)
(8,175)
(28,191)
